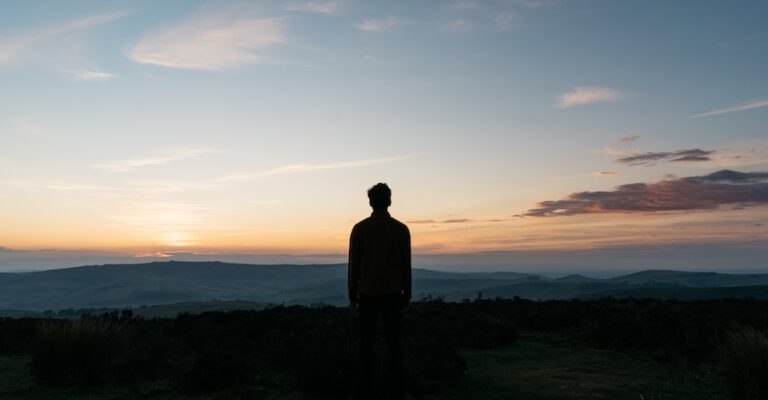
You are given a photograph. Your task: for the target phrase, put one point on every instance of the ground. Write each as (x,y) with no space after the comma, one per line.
(546,367)
(539,367)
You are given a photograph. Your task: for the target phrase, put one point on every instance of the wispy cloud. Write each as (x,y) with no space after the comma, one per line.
(133,187)
(15,48)
(725,187)
(536,3)
(83,187)
(93,76)
(164,186)
(320,7)
(381,25)
(130,187)
(153,254)
(444,221)
(507,20)
(650,158)
(606,173)
(297,168)
(610,151)
(587,95)
(462,5)
(458,25)
(629,139)
(163,157)
(211,40)
(751,152)
(737,154)
(739,107)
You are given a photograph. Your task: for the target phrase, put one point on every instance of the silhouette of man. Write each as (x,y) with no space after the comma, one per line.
(379,278)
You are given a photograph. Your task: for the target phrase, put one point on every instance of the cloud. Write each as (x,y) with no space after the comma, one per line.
(381,25)
(153,254)
(606,173)
(508,20)
(213,40)
(650,158)
(724,187)
(751,152)
(459,25)
(422,221)
(166,156)
(736,154)
(130,187)
(462,5)
(15,48)
(297,168)
(586,95)
(536,3)
(610,151)
(93,76)
(445,221)
(320,7)
(739,107)
(629,139)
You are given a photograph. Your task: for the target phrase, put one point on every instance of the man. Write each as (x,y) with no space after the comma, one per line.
(379,279)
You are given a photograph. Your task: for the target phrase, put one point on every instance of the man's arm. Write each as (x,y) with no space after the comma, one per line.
(407,267)
(353,266)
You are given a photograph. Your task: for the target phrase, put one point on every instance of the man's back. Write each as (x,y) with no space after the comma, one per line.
(379,257)
(380,286)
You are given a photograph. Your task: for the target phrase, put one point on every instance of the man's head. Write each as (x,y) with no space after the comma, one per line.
(379,196)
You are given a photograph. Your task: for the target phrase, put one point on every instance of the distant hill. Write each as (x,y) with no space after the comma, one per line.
(220,286)
(685,293)
(695,279)
(575,279)
(134,285)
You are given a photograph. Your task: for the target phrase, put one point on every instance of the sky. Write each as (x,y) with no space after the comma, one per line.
(514,133)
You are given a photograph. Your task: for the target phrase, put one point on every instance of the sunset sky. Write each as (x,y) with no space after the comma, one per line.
(523,128)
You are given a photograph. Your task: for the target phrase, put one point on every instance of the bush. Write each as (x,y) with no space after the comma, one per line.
(75,352)
(15,335)
(745,356)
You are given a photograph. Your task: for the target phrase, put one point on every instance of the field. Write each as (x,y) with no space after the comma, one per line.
(552,367)
(538,367)
(484,349)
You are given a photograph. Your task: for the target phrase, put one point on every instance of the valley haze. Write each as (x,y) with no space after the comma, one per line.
(731,257)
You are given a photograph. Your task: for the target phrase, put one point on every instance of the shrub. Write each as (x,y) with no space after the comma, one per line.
(75,352)
(745,356)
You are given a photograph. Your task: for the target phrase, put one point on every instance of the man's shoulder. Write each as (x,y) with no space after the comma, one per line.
(371,220)
(363,221)
(360,224)
(399,224)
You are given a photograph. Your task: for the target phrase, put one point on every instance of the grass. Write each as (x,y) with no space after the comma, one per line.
(17,383)
(195,307)
(544,367)
(745,356)
(539,367)
(74,351)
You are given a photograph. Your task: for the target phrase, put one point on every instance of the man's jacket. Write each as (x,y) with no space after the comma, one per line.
(379,257)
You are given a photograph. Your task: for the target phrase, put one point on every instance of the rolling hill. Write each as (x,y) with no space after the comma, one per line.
(159,283)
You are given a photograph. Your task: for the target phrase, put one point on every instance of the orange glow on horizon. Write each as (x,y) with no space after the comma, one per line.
(551,233)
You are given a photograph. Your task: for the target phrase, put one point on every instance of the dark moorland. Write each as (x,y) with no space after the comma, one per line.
(484,349)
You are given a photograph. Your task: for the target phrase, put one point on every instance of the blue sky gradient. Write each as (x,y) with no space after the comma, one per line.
(255,127)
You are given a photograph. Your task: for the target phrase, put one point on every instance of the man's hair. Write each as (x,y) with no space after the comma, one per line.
(379,196)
